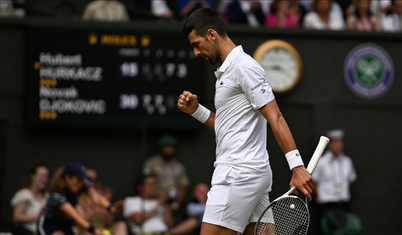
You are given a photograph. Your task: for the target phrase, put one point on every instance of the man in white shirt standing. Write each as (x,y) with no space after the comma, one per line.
(244,102)
(333,176)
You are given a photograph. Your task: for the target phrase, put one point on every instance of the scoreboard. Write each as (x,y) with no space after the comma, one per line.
(87,77)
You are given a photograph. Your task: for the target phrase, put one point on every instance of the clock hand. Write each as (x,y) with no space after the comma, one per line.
(274,67)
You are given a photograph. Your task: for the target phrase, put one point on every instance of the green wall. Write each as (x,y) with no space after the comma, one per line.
(320,101)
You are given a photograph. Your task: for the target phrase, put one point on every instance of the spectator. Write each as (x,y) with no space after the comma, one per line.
(29,201)
(298,9)
(170,173)
(377,7)
(159,8)
(7,9)
(148,212)
(106,10)
(248,12)
(392,20)
(332,178)
(59,214)
(186,7)
(95,214)
(194,211)
(321,17)
(380,6)
(362,18)
(280,15)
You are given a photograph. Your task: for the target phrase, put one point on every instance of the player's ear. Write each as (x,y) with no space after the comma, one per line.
(212,34)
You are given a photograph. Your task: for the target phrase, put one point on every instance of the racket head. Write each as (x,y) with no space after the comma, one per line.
(290,215)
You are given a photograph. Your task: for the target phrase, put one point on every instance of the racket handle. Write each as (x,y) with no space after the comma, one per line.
(317,154)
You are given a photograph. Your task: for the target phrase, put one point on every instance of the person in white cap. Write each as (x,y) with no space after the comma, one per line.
(333,176)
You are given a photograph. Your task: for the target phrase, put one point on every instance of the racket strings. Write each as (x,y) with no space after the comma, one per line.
(291,218)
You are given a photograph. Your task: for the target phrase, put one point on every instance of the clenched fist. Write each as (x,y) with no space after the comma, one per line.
(188,102)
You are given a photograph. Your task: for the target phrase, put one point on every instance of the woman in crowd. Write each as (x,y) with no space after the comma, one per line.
(280,15)
(321,17)
(59,214)
(362,19)
(29,201)
(98,215)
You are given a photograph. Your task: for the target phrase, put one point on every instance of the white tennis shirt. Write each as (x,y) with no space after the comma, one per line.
(240,128)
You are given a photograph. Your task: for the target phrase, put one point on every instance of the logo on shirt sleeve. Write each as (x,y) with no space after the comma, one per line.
(258,85)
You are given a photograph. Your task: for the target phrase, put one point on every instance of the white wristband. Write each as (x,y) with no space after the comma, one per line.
(201,114)
(294,159)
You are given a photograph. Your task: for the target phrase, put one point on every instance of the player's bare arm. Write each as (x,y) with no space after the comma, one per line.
(188,103)
(301,178)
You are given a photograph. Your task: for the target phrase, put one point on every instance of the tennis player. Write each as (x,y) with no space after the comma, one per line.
(244,103)
(59,214)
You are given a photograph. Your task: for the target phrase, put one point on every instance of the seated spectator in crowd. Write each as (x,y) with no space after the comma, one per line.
(170,173)
(321,17)
(29,201)
(7,9)
(243,12)
(377,7)
(280,15)
(159,8)
(186,7)
(298,9)
(380,6)
(60,214)
(105,10)
(98,216)
(194,211)
(362,18)
(148,212)
(392,20)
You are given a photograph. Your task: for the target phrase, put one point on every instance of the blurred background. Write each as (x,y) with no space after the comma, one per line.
(99,84)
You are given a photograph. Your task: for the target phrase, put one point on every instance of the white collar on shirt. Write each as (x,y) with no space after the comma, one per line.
(228,61)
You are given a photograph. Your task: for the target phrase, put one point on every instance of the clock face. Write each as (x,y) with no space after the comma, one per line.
(280,68)
(282,65)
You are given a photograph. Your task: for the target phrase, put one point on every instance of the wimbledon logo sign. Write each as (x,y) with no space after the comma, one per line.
(369,71)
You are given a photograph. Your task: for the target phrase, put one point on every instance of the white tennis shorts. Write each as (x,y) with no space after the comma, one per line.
(236,198)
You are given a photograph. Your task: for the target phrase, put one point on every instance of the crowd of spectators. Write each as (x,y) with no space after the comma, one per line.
(359,15)
(76,203)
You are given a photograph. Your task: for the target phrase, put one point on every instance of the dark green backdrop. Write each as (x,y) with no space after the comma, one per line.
(320,101)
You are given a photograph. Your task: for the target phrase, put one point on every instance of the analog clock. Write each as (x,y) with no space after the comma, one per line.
(282,64)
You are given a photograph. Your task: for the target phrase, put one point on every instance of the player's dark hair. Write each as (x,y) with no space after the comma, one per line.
(203,19)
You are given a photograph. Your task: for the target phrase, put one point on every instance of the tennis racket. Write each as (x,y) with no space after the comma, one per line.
(288,214)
